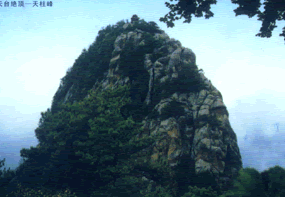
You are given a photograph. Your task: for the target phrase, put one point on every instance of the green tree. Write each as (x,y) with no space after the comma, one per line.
(89,67)
(31,173)
(273,10)
(188,80)
(109,143)
(88,146)
(274,181)
(5,176)
(22,160)
(247,184)
(2,163)
(132,65)
(200,192)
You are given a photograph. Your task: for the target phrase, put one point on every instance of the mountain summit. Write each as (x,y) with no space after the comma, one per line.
(170,97)
(173,99)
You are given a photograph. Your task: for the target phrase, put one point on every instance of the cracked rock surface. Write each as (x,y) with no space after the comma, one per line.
(200,132)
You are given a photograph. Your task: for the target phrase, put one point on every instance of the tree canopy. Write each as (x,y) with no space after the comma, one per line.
(89,141)
(273,10)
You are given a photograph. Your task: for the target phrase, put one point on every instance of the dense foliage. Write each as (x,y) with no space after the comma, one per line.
(188,80)
(82,137)
(88,141)
(273,10)
(93,63)
(274,181)
(150,27)
(5,177)
(90,66)
(132,65)
(89,146)
(250,183)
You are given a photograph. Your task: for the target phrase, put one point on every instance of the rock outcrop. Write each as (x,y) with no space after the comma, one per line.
(194,122)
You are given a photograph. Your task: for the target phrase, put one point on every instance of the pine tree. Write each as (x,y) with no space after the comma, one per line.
(88,146)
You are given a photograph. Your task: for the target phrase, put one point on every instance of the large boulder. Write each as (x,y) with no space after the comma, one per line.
(194,124)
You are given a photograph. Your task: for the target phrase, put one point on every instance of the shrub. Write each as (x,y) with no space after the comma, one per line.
(200,192)
(25,192)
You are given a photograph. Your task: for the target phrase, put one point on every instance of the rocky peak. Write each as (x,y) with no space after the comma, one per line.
(180,104)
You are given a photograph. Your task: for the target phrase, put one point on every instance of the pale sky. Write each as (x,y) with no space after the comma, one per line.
(39,44)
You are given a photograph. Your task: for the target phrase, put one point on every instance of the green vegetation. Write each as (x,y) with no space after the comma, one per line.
(132,65)
(188,81)
(249,183)
(197,192)
(150,27)
(274,181)
(273,10)
(91,65)
(132,57)
(88,147)
(86,139)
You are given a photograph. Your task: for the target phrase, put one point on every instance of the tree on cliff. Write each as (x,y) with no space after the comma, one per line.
(274,10)
(88,141)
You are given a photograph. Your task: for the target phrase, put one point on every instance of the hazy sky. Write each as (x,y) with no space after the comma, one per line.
(38,45)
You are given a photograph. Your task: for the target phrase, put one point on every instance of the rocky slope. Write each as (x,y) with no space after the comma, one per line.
(191,115)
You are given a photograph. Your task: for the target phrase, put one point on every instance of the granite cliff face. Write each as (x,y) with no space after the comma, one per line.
(192,118)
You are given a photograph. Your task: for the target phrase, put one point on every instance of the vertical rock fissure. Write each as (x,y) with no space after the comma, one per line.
(154,83)
(151,85)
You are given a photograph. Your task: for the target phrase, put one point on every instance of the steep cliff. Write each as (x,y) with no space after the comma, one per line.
(170,96)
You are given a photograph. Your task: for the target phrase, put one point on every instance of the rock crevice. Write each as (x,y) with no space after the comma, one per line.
(195,124)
